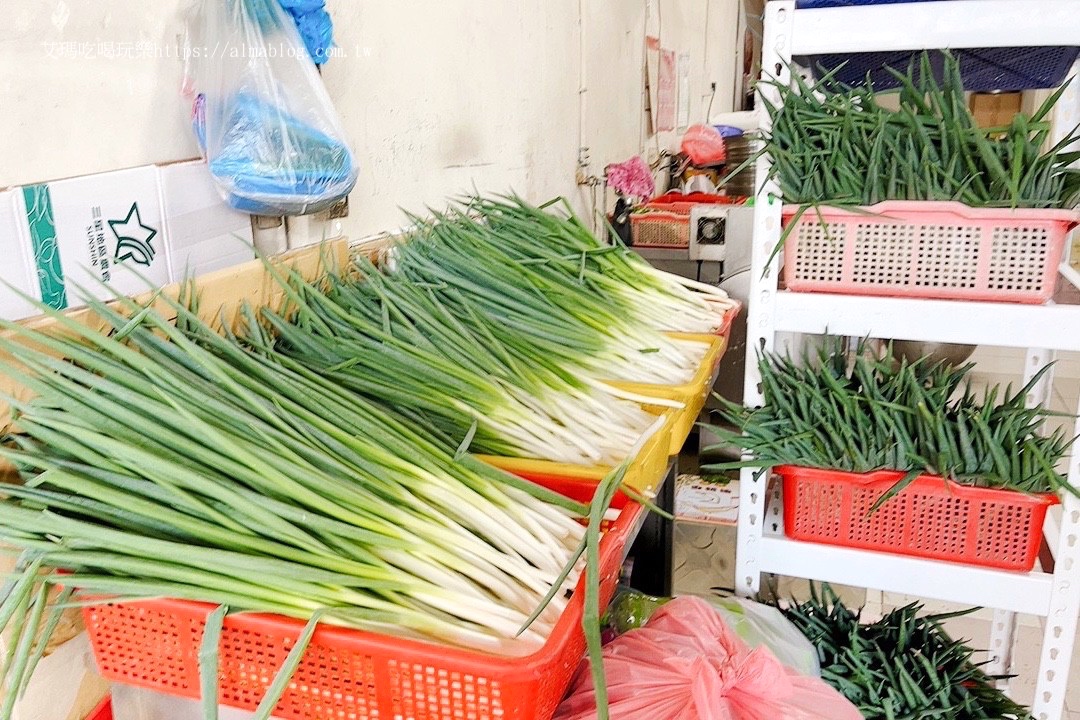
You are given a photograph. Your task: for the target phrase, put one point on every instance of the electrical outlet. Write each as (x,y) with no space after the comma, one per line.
(582,175)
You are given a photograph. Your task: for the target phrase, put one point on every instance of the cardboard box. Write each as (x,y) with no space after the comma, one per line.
(994,109)
(16,271)
(65,684)
(204,233)
(97,235)
(700,500)
(117,232)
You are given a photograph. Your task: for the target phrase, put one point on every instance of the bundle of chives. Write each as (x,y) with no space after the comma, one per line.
(169,461)
(562,317)
(564,246)
(844,146)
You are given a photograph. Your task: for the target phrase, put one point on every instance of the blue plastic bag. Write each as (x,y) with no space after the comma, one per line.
(316,28)
(270,134)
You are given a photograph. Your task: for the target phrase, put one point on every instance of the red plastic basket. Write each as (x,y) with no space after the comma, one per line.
(660,229)
(103,711)
(927,249)
(930,518)
(349,673)
(685,202)
(724,330)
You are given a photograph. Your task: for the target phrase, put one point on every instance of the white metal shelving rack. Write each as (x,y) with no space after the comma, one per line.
(762,546)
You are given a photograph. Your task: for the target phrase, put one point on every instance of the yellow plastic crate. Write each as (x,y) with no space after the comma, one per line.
(645,473)
(691,394)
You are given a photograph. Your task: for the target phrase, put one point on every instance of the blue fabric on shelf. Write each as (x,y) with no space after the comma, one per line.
(315,26)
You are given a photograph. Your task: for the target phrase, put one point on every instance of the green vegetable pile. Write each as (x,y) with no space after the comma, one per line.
(314,462)
(166,460)
(841,145)
(552,283)
(902,667)
(495,325)
(469,382)
(873,414)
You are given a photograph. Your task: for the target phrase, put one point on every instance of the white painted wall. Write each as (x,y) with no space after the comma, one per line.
(65,110)
(437,96)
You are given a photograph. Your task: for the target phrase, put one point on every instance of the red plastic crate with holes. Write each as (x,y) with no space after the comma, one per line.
(349,673)
(943,250)
(930,518)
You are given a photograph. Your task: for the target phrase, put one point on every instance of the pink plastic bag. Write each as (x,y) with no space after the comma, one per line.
(704,145)
(686,664)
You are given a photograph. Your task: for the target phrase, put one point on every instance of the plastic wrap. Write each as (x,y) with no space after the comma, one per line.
(270,135)
(687,664)
(630,609)
(704,145)
(759,624)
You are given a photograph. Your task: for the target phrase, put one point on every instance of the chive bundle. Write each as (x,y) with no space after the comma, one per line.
(874,414)
(164,460)
(497,259)
(902,667)
(404,345)
(841,145)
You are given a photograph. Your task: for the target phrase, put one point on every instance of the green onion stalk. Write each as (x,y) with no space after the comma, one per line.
(840,145)
(563,246)
(164,460)
(399,344)
(564,317)
(866,414)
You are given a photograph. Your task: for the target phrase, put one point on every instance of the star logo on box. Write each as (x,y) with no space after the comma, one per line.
(133,238)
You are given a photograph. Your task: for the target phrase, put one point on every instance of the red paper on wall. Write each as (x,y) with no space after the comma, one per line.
(666,89)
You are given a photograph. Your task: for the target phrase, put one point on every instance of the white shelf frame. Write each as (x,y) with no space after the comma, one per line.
(762,547)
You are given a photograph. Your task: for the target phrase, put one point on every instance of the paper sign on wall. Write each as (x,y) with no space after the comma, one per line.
(684,91)
(665,111)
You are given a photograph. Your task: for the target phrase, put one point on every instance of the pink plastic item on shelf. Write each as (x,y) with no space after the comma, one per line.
(687,664)
(928,249)
(704,145)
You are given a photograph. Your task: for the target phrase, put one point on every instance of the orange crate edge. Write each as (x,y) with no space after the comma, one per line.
(932,518)
(985,278)
(155,644)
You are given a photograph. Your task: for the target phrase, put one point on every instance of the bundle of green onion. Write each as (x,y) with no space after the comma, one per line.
(564,248)
(865,414)
(164,460)
(404,345)
(537,276)
(845,146)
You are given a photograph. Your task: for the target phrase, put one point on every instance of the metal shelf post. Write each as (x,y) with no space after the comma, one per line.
(1041,330)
